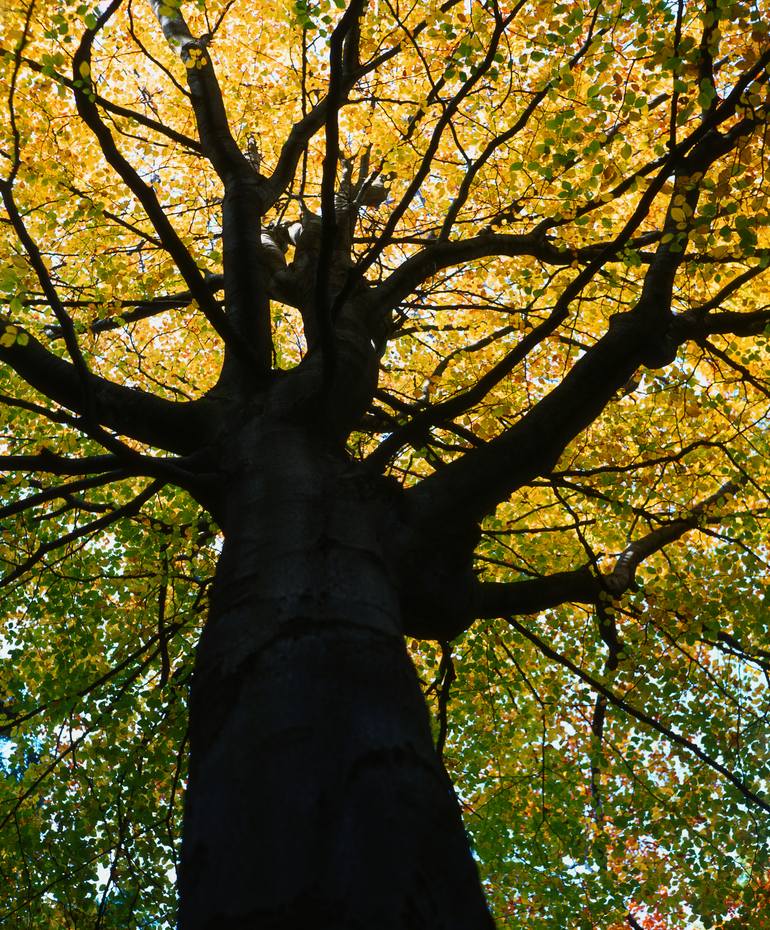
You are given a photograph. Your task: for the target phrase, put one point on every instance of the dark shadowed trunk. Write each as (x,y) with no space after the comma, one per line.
(315,796)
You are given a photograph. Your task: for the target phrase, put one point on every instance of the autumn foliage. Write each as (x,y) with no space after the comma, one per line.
(560,212)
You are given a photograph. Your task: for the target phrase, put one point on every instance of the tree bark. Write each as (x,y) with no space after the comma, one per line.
(315,797)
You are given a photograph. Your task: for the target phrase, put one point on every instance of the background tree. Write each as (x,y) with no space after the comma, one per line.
(444,324)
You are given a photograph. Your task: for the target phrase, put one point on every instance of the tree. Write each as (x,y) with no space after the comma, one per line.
(358,357)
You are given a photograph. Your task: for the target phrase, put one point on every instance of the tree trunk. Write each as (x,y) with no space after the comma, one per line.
(315,798)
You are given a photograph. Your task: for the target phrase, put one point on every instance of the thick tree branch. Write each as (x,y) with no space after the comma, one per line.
(437,256)
(501,598)
(648,335)
(217,140)
(584,585)
(86,106)
(622,576)
(246,272)
(696,325)
(175,427)
(65,322)
(471,486)
(340,61)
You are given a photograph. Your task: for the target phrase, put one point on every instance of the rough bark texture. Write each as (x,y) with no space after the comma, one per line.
(315,796)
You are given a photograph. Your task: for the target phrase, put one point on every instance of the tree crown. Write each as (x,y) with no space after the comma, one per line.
(512,256)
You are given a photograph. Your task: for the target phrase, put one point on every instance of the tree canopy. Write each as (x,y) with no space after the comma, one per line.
(557,213)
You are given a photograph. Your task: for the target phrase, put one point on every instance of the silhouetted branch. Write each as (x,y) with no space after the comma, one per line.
(47,71)
(649,721)
(127,510)
(89,113)
(586,585)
